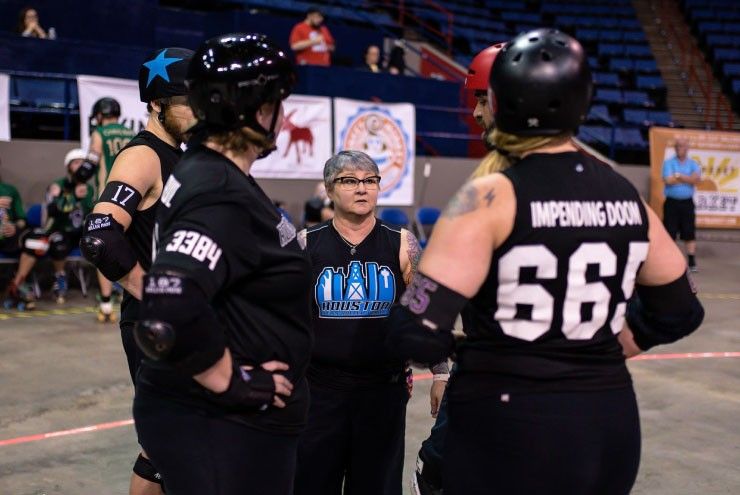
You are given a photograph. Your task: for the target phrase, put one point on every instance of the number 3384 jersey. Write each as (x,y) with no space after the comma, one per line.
(547,315)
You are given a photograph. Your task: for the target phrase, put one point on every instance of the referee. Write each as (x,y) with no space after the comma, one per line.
(680,175)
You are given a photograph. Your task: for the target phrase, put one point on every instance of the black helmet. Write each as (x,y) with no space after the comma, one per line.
(107,107)
(163,74)
(541,84)
(232,75)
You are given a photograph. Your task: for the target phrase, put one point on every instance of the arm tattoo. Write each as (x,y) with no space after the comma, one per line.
(466,200)
(413,250)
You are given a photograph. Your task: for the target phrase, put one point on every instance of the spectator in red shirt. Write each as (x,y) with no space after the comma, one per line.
(311,40)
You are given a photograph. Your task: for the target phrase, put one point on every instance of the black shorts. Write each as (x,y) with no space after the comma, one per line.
(201,454)
(679,217)
(581,443)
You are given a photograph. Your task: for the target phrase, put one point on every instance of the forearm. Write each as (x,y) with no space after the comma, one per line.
(133,282)
(301,45)
(440,371)
(217,377)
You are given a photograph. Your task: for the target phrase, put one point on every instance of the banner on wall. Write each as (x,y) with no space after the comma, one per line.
(125,91)
(386,132)
(304,142)
(717,196)
(4,107)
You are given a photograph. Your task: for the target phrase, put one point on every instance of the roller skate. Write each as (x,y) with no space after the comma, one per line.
(60,288)
(105,312)
(19,297)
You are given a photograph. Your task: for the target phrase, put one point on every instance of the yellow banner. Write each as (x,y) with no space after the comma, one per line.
(717,196)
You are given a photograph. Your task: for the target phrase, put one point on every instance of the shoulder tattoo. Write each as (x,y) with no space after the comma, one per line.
(466,200)
(413,250)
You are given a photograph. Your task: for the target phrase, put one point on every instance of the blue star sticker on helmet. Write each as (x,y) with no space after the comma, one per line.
(158,67)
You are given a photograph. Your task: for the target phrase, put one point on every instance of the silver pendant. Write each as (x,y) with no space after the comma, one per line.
(352,251)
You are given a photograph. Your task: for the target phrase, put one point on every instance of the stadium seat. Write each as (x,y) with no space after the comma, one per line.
(426,217)
(394,216)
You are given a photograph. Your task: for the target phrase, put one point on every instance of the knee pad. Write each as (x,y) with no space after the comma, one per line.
(143,468)
(35,243)
(58,246)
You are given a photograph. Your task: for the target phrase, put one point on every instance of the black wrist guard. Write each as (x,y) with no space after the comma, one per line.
(248,390)
(420,328)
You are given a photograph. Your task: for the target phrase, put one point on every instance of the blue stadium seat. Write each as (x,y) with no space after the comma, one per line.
(595,134)
(608,95)
(638,51)
(736,86)
(583,34)
(726,54)
(622,64)
(34,216)
(634,37)
(629,137)
(646,66)
(36,92)
(610,35)
(426,217)
(649,82)
(634,116)
(610,50)
(732,70)
(599,113)
(394,216)
(637,98)
(659,117)
(606,79)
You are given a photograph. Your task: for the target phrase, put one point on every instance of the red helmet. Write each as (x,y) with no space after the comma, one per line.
(480,68)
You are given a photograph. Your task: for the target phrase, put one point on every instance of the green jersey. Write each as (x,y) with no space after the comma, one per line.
(115,137)
(11,207)
(70,210)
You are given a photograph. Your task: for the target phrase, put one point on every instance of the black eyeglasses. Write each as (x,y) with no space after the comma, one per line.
(350,183)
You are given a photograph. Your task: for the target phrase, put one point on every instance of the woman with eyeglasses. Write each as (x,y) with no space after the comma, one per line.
(360,266)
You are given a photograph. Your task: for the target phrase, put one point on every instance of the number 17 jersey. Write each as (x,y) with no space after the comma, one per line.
(547,315)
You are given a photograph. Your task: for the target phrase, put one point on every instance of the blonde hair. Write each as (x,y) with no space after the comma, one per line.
(513,146)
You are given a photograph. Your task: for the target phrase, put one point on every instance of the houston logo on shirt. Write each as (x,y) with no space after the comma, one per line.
(361,293)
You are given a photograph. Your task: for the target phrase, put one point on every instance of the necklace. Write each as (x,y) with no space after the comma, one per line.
(352,246)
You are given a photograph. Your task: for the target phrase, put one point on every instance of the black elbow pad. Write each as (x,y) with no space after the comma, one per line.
(664,314)
(177,325)
(104,245)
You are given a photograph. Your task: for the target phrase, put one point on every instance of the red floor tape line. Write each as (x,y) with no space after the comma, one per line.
(417,377)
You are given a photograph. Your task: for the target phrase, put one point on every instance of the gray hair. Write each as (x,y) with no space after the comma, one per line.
(347,160)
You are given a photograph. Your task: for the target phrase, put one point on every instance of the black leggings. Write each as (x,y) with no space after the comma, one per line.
(584,443)
(198,454)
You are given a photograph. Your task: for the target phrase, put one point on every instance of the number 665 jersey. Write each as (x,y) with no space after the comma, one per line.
(547,315)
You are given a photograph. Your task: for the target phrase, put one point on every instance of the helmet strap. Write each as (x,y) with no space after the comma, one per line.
(162,109)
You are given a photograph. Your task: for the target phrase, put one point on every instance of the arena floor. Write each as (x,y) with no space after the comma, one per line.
(64,374)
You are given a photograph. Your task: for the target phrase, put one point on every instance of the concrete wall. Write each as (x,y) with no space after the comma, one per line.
(31,165)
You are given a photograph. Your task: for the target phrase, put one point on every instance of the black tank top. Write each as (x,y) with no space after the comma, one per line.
(353,294)
(546,316)
(140,232)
